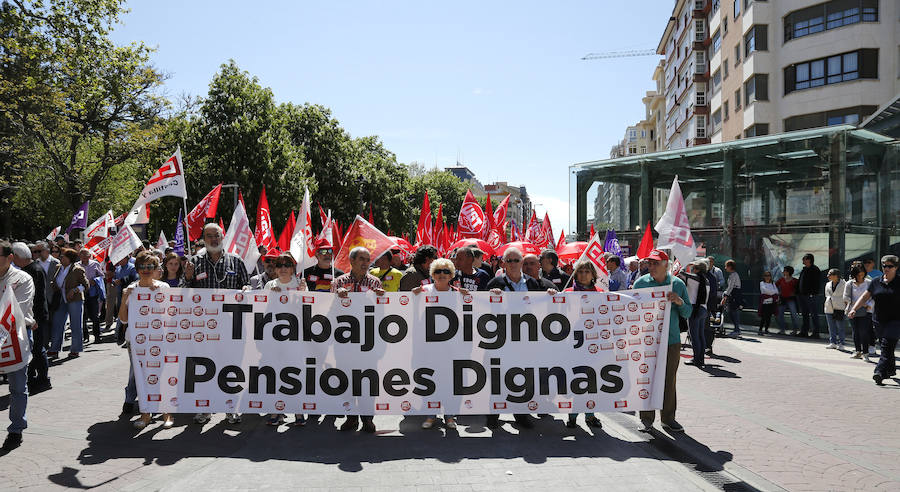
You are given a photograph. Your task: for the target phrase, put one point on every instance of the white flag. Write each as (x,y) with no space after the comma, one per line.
(15,350)
(162,243)
(54,233)
(239,239)
(100,228)
(168,180)
(123,244)
(594,253)
(302,242)
(674,229)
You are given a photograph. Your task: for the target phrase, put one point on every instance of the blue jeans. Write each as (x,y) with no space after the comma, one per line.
(18,398)
(790,305)
(73,312)
(836,329)
(696,325)
(131,394)
(734,313)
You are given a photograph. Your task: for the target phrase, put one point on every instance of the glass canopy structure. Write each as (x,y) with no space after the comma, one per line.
(764,201)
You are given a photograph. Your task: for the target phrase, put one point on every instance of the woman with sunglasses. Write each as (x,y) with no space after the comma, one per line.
(861,324)
(285,280)
(585,280)
(442,272)
(55,251)
(768,302)
(885,291)
(146,264)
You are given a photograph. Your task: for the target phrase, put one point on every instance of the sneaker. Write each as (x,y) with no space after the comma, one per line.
(299,420)
(275,419)
(841,347)
(645,426)
(871,350)
(831,346)
(13,440)
(593,421)
(857,355)
(450,423)
(429,422)
(235,418)
(673,426)
(201,418)
(866,358)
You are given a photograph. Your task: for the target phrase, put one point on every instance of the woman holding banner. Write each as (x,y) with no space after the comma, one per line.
(146,264)
(584,281)
(286,280)
(442,272)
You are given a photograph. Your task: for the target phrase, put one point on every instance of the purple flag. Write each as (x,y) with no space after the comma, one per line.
(179,236)
(79,220)
(611,243)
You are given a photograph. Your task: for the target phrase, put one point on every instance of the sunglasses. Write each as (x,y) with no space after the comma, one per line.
(325,251)
(145,266)
(445,271)
(888,265)
(284,265)
(512,260)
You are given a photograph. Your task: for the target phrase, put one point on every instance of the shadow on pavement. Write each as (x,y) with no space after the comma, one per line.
(320,442)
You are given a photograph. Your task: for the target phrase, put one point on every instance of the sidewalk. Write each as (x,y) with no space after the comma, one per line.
(794,413)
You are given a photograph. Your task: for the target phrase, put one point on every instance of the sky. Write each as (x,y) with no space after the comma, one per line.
(498,86)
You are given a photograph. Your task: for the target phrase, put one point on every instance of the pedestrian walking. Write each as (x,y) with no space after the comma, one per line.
(861,324)
(885,291)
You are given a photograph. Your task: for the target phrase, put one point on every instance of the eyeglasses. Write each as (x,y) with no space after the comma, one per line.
(325,251)
(512,260)
(145,266)
(888,265)
(445,271)
(283,265)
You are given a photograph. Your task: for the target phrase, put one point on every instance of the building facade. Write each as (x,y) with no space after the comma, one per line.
(519,208)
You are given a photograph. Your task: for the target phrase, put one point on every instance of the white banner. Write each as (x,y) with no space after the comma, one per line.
(307,352)
(239,238)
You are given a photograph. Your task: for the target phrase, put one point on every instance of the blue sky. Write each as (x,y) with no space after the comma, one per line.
(501,86)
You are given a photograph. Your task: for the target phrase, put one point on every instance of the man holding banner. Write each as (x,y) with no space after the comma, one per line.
(681,306)
(16,321)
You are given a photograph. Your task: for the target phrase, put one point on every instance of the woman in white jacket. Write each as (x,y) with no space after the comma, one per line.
(861,324)
(835,305)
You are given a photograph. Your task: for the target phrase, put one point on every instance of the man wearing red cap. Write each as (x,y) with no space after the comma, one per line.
(319,276)
(659,275)
(257,282)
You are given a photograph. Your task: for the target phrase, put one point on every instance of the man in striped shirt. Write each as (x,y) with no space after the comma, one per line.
(215,268)
(358,279)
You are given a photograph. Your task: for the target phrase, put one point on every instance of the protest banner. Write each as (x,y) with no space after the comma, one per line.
(216,350)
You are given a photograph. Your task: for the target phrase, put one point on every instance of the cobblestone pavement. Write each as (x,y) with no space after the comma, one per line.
(768,414)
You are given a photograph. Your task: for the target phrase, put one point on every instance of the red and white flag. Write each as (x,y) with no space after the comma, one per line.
(123,244)
(424,229)
(535,233)
(674,229)
(488,218)
(561,243)
(168,180)
(471,218)
(99,230)
(302,242)
(437,236)
(206,209)
(54,233)
(265,235)
(239,239)
(100,249)
(15,349)
(594,253)
(326,236)
(162,243)
(362,233)
(548,231)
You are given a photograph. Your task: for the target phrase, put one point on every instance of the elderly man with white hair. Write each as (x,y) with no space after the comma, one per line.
(38,379)
(215,268)
(513,280)
(23,288)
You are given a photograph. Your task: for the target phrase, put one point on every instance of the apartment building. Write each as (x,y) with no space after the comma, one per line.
(743,68)
(520,206)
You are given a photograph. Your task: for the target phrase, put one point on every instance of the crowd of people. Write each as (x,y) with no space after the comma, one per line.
(59,287)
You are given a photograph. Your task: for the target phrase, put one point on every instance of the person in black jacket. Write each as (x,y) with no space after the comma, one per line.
(810,286)
(513,280)
(550,270)
(38,379)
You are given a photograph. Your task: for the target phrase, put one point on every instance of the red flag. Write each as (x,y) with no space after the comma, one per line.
(222,224)
(439,226)
(646,245)
(362,233)
(322,216)
(327,234)
(592,231)
(206,209)
(488,217)
(548,231)
(500,213)
(423,230)
(471,218)
(561,243)
(371,220)
(264,234)
(445,244)
(284,240)
(536,234)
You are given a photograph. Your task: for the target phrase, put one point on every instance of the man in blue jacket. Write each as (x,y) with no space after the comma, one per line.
(680,306)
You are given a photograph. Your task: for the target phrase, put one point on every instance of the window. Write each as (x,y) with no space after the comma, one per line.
(632,149)
(699,62)
(725,109)
(756,88)
(632,135)
(701,126)
(737,54)
(699,30)
(716,42)
(716,122)
(643,149)
(737,99)
(829,15)
(757,130)
(701,97)
(643,133)
(756,39)
(862,64)
(716,81)
(715,6)
(737,8)
(725,25)
(724,69)
(844,116)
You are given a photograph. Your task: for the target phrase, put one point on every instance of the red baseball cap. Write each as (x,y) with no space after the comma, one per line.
(657,255)
(272,254)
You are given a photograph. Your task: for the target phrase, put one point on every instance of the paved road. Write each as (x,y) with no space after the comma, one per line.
(772,414)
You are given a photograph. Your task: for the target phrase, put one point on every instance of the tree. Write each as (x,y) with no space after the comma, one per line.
(443,188)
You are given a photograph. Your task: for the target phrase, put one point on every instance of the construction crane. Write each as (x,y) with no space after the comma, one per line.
(618,54)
